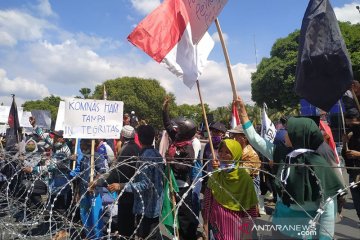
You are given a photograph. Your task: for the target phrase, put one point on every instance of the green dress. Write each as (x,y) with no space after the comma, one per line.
(306,187)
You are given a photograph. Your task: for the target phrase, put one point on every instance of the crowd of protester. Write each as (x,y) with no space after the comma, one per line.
(224,180)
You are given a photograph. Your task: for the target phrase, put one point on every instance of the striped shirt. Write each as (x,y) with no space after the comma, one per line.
(226,224)
(46,137)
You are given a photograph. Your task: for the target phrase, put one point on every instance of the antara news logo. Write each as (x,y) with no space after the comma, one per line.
(301,230)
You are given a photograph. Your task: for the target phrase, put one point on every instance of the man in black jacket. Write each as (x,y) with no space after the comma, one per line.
(181,156)
(352,157)
(124,171)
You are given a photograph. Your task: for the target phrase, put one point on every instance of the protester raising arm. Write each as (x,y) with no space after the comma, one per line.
(39,132)
(181,137)
(264,146)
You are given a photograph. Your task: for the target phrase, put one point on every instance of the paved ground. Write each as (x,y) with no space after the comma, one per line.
(347,228)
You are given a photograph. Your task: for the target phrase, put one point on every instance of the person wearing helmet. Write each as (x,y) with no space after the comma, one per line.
(134,121)
(181,153)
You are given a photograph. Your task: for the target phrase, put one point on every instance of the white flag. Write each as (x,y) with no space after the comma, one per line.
(268,130)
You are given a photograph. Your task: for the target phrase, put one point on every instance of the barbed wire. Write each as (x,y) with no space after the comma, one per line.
(17,189)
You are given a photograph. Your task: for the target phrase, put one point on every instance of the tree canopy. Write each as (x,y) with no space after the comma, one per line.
(144,96)
(85,92)
(274,80)
(193,112)
(50,103)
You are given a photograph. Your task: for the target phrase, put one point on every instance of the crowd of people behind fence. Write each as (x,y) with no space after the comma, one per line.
(49,181)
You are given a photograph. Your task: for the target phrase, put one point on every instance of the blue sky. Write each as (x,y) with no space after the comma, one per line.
(57,47)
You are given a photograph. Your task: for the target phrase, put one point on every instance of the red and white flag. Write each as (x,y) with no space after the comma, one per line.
(327,130)
(165,35)
(234,117)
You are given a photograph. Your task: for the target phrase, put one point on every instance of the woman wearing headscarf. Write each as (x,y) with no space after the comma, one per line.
(251,161)
(230,198)
(303,190)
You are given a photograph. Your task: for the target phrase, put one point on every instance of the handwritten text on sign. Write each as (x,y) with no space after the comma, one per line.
(92,118)
(202,13)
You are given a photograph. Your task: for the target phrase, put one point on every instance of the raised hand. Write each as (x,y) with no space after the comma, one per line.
(32,121)
(166,102)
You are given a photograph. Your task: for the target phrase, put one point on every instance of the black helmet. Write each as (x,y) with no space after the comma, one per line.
(186,128)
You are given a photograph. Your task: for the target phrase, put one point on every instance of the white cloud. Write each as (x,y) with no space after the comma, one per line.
(6,39)
(70,61)
(130,18)
(95,42)
(348,13)
(17,26)
(145,6)
(216,38)
(29,89)
(44,8)
(67,67)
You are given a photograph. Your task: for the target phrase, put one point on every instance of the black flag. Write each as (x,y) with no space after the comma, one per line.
(324,70)
(13,134)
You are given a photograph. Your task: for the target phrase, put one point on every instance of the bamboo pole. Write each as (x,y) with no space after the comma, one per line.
(1,145)
(205,224)
(206,121)
(92,161)
(227,59)
(75,153)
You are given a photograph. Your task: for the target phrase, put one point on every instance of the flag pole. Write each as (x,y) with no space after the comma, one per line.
(227,59)
(104,93)
(75,153)
(356,99)
(205,224)
(205,119)
(343,121)
(1,145)
(92,160)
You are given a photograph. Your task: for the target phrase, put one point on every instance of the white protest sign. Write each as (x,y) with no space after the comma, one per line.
(4,114)
(202,13)
(59,125)
(20,114)
(42,117)
(24,121)
(3,129)
(5,111)
(92,119)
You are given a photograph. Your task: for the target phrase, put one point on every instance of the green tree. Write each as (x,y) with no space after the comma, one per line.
(351,35)
(223,115)
(50,103)
(274,80)
(144,96)
(254,113)
(85,92)
(193,112)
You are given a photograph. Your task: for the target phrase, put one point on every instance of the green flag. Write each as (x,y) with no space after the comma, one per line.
(167,216)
